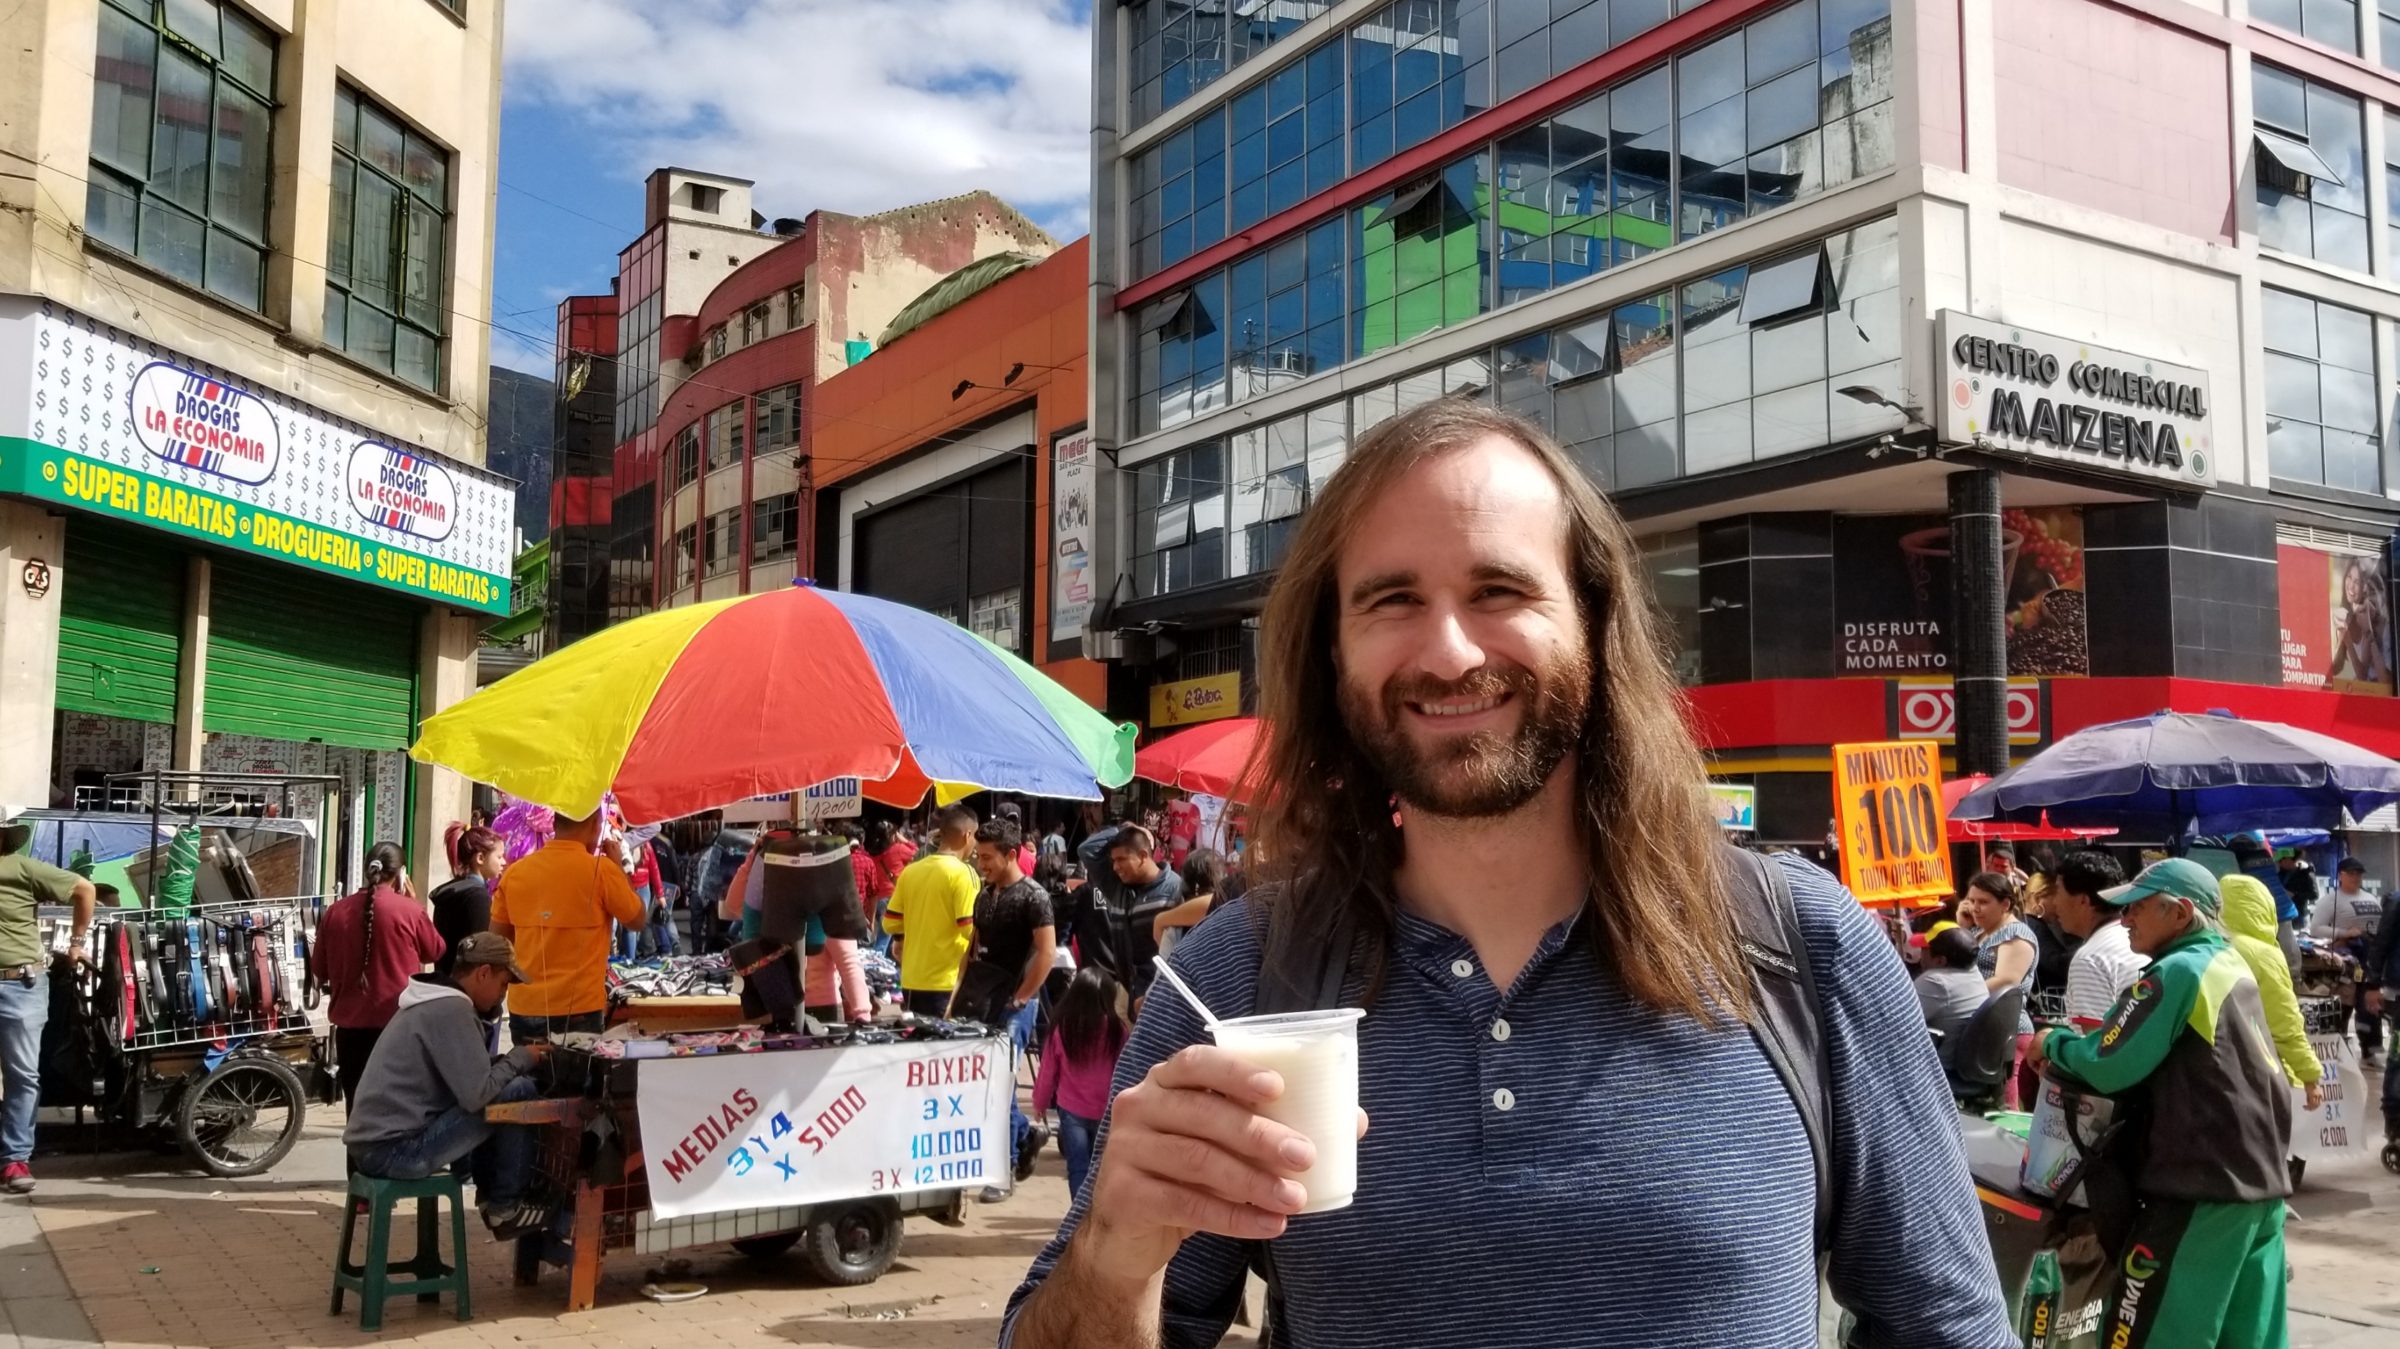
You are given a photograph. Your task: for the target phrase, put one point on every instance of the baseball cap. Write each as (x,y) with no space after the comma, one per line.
(2179,877)
(2352,864)
(489,948)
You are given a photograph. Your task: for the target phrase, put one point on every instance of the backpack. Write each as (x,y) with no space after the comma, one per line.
(1787,1021)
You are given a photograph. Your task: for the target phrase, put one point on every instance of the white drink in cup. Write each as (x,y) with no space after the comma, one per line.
(1316,1055)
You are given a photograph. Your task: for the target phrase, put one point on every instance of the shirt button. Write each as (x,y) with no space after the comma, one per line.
(1464,969)
(1504,1099)
(1500,1031)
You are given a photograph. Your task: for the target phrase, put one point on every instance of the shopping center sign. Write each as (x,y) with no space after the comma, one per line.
(2024,392)
(101,421)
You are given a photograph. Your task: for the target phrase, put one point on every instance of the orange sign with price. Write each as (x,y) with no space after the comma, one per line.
(1887,799)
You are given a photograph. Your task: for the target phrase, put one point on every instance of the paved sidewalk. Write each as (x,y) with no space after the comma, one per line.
(130,1249)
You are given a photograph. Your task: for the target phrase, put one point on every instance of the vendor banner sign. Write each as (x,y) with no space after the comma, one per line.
(742,1131)
(103,421)
(1887,798)
(2347,1124)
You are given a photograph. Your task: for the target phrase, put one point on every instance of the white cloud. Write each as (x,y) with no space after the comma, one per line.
(844,105)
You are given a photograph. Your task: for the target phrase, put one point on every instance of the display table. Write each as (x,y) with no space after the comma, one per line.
(662,1015)
(824,1144)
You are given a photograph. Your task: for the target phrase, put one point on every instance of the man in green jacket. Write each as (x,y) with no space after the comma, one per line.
(2186,1053)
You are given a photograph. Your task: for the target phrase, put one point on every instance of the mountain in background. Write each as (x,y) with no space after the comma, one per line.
(522,411)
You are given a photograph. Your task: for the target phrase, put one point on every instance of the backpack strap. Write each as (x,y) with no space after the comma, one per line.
(1788,1021)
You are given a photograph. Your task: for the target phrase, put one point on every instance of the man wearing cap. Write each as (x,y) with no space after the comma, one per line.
(2206,1115)
(26,885)
(420,1105)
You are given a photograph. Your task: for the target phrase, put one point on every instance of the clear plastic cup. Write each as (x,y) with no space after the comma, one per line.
(1316,1055)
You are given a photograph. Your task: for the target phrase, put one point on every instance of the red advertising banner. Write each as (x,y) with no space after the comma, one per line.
(2337,620)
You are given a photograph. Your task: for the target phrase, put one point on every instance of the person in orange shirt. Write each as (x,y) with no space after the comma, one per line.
(556,905)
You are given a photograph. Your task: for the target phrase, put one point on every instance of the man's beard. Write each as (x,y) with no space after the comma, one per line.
(1485,773)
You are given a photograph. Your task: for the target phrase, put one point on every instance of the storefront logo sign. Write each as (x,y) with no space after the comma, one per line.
(2044,396)
(1928,710)
(36,576)
(399,490)
(196,420)
(1189,702)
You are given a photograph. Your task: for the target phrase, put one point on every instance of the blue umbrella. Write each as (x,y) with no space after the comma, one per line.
(2174,773)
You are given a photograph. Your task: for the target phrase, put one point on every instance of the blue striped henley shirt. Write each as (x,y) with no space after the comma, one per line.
(1556,1166)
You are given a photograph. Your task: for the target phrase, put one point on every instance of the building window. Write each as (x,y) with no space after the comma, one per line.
(2312,181)
(686,559)
(1790,105)
(632,574)
(724,436)
(1179,46)
(2323,422)
(996,617)
(716,343)
(705,199)
(641,276)
(1179,520)
(2332,22)
(2387,15)
(724,541)
(774,527)
(687,456)
(778,418)
(795,307)
(386,291)
(2391,172)
(1723,370)
(182,142)
(1414,70)
(754,323)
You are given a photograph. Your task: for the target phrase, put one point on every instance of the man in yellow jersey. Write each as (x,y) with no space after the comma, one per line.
(932,913)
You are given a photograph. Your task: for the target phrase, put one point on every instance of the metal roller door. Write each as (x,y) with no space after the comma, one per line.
(295,656)
(120,622)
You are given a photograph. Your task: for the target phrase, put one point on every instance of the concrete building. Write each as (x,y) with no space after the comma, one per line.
(245,273)
(1776,271)
(724,325)
(953,465)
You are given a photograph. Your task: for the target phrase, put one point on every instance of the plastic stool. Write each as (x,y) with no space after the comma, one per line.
(429,1277)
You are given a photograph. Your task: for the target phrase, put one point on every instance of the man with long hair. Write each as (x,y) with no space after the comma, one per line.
(1474,757)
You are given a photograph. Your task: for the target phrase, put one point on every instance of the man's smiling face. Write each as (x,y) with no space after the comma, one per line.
(1465,666)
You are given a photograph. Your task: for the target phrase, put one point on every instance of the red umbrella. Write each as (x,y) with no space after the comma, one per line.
(1207,758)
(1997,831)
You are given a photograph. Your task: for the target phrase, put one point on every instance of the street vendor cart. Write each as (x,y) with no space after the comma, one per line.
(764,1142)
(194,1019)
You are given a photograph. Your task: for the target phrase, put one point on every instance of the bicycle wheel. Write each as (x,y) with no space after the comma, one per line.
(242,1118)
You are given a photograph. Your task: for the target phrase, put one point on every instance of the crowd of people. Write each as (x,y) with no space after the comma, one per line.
(1052,938)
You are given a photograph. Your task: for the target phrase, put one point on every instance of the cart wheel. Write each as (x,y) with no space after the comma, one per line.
(852,1243)
(2391,1157)
(242,1118)
(767,1247)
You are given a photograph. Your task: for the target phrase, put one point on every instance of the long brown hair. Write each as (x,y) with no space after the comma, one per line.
(1323,823)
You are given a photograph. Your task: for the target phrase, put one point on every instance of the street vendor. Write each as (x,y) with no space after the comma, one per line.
(2346,918)
(2186,1054)
(25,885)
(420,1106)
(557,905)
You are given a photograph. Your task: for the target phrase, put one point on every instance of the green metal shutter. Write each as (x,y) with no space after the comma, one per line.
(120,622)
(296,656)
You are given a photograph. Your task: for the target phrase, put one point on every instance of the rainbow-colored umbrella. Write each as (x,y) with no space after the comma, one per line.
(699,707)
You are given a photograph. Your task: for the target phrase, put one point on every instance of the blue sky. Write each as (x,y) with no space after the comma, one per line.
(845,105)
